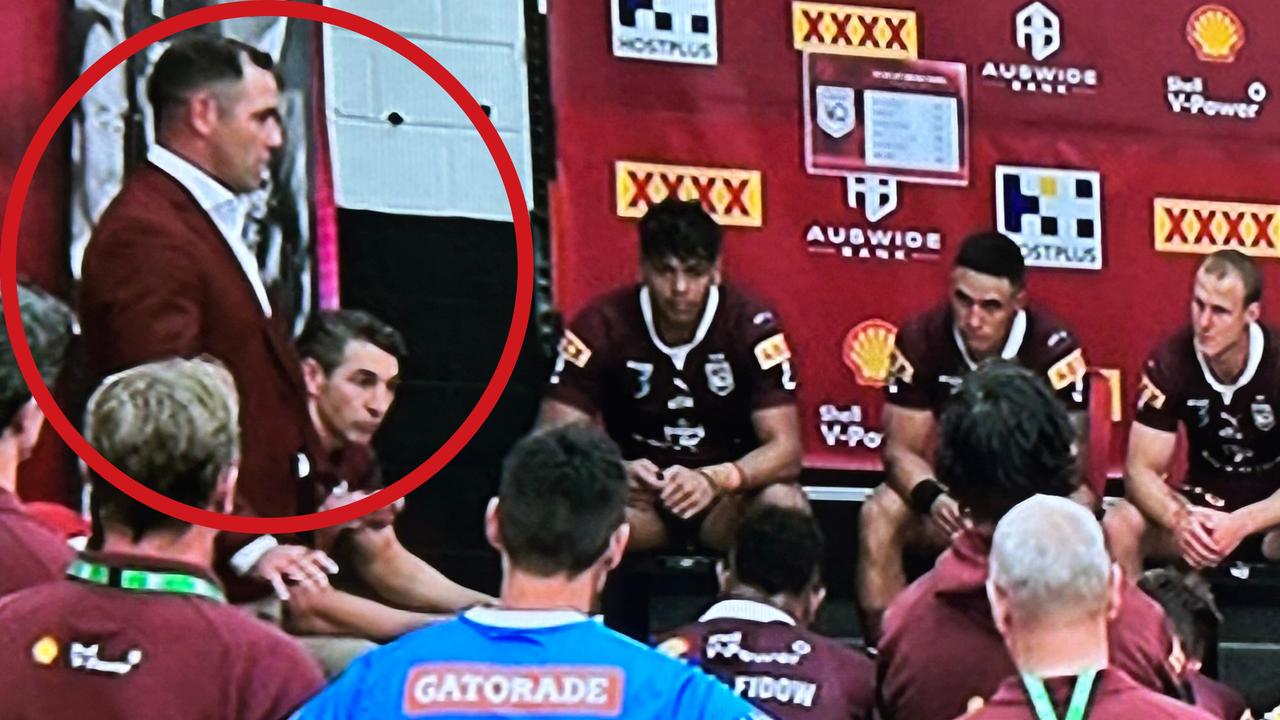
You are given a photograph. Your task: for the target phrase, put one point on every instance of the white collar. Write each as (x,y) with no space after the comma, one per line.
(1256,340)
(737,609)
(226,209)
(209,193)
(678,354)
(523,619)
(1017,333)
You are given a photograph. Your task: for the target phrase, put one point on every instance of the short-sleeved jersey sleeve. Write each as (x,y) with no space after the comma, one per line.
(909,377)
(579,368)
(702,697)
(772,366)
(1158,391)
(1066,370)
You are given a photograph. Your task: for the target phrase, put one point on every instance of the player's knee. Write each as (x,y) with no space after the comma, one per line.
(785,495)
(882,515)
(1123,524)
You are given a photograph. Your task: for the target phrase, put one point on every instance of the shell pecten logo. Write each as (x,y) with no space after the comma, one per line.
(1215,33)
(868,351)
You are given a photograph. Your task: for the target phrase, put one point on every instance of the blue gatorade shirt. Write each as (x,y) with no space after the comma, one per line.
(551,665)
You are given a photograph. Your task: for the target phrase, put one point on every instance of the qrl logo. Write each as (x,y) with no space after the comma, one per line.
(1202,227)
(852,30)
(732,197)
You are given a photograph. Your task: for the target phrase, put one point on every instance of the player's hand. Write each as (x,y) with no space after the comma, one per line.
(945,511)
(643,474)
(1194,540)
(1227,530)
(308,569)
(686,492)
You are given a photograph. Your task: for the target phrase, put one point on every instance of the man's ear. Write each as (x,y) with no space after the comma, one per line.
(313,375)
(224,493)
(493,525)
(1000,611)
(724,575)
(617,545)
(1020,298)
(716,275)
(1115,591)
(816,596)
(1253,311)
(203,111)
(25,427)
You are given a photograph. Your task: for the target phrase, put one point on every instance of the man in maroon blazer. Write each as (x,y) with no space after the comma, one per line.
(167,272)
(1003,440)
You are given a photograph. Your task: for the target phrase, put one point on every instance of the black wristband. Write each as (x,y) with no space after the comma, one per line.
(924,494)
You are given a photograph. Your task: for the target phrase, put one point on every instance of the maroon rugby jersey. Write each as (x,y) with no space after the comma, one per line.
(929,359)
(1233,444)
(689,405)
(940,647)
(785,670)
(1115,697)
(89,648)
(1216,698)
(33,553)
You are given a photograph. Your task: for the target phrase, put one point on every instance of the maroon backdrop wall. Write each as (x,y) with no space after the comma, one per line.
(1108,111)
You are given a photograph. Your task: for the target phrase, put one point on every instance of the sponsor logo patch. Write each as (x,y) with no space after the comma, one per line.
(1215,33)
(1149,394)
(448,688)
(772,351)
(854,30)
(869,351)
(732,197)
(676,31)
(1055,215)
(1202,226)
(1068,371)
(574,350)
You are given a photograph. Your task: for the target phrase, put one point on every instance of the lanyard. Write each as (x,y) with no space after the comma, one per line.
(145,580)
(1044,706)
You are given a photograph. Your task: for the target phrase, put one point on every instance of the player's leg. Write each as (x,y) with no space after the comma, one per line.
(1133,539)
(720,528)
(648,531)
(887,527)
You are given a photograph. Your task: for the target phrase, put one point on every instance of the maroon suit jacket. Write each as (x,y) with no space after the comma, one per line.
(159,280)
(1116,696)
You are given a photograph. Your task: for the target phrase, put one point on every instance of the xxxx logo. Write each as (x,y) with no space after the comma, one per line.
(853,30)
(1203,227)
(732,197)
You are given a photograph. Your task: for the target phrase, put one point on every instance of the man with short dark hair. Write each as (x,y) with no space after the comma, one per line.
(167,274)
(1194,620)
(1053,589)
(142,629)
(693,379)
(351,364)
(1219,378)
(33,553)
(986,316)
(559,524)
(1003,439)
(756,638)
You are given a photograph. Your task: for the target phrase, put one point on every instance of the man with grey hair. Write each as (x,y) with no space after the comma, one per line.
(142,628)
(1053,589)
(33,554)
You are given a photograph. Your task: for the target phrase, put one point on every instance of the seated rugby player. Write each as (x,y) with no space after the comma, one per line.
(1219,379)
(351,365)
(986,316)
(559,524)
(1003,440)
(33,552)
(1053,589)
(756,638)
(142,630)
(693,379)
(1194,619)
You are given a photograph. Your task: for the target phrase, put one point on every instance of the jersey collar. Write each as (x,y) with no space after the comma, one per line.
(523,619)
(679,354)
(1017,333)
(1256,339)
(738,609)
